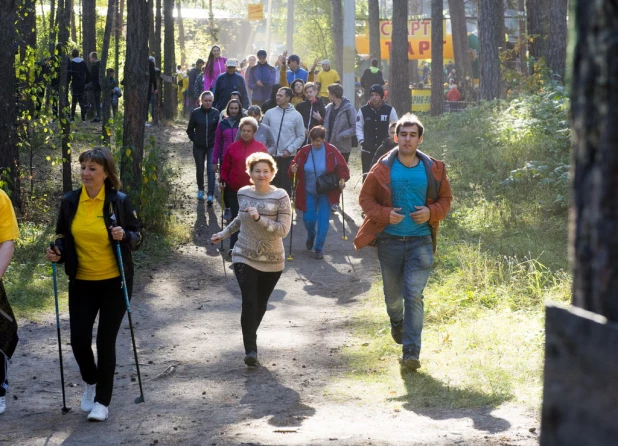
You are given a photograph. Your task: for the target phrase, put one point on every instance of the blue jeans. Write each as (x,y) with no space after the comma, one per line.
(405,264)
(201,155)
(318,211)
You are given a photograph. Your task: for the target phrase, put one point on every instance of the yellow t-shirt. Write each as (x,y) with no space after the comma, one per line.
(8,223)
(95,255)
(325,78)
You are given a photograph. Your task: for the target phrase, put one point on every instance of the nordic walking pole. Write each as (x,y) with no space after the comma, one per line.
(140,398)
(292,221)
(65,409)
(221,248)
(344,237)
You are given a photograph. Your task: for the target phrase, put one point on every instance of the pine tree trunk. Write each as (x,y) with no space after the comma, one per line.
(89,30)
(537,14)
(489,72)
(26,36)
(118,25)
(136,79)
(52,26)
(64,14)
(437,57)
(337,29)
(9,154)
(556,56)
(374,30)
(106,87)
(594,207)
(158,36)
(523,46)
(72,19)
(169,103)
(399,79)
(459,28)
(181,34)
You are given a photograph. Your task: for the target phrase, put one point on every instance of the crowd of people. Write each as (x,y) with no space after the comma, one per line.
(275,142)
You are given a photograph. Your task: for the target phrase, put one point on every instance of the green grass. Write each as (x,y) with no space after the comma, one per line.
(502,253)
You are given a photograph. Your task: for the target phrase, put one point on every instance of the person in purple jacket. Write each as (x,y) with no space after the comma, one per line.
(215,65)
(261,79)
(224,136)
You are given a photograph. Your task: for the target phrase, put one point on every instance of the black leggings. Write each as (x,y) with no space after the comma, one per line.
(256,287)
(367,162)
(8,338)
(87,298)
(232,202)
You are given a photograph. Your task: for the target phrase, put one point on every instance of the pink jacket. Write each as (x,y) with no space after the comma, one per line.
(224,136)
(217,69)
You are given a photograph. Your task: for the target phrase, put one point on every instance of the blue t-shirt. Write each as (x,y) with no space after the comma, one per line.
(408,189)
(317,159)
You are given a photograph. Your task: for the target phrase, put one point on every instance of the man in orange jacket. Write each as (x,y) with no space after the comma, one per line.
(404,197)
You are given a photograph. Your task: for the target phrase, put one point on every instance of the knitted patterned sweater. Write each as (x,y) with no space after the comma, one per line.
(260,243)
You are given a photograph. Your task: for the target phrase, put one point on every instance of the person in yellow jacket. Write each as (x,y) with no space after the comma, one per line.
(9,232)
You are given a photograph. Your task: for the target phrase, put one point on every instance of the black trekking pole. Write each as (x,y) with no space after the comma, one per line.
(140,398)
(65,409)
(344,237)
(221,247)
(292,220)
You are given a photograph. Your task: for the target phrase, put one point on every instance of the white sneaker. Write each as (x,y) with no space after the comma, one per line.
(2,404)
(99,413)
(90,391)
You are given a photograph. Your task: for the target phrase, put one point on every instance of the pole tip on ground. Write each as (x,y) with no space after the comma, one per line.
(290,257)
(66,410)
(139,399)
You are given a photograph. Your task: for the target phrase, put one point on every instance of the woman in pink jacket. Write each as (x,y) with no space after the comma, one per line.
(215,65)
(224,136)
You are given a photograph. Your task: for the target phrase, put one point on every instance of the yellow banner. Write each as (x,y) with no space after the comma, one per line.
(421,99)
(255,12)
(419,40)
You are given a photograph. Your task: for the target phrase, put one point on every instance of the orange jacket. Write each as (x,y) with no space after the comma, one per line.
(375,197)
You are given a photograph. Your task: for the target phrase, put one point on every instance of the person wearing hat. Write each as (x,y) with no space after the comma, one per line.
(261,78)
(229,82)
(372,121)
(326,77)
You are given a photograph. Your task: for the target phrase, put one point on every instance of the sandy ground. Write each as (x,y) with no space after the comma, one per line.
(197,388)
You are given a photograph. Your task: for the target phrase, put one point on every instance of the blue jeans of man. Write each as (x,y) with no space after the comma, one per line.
(203,155)
(318,211)
(405,263)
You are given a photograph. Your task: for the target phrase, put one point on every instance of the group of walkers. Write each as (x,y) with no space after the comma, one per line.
(266,161)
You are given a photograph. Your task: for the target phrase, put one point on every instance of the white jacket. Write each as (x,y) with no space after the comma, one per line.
(289,134)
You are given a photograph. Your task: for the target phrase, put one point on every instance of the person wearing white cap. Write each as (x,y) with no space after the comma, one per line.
(229,82)
(326,77)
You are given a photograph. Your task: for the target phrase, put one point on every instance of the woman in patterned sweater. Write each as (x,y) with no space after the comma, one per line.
(258,255)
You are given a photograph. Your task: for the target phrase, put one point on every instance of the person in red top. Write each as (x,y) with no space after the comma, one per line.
(234,166)
(453,94)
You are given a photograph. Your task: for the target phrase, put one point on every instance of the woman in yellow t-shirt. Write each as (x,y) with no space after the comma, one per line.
(85,235)
(8,326)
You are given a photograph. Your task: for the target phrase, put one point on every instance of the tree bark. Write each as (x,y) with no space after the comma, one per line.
(556,55)
(337,29)
(537,14)
(158,34)
(106,87)
(9,154)
(169,89)
(523,46)
(72,20)
(489,71)
(594,207)
(89,30)
(52,26)
(437,57)
(459,29)
(136,90)
(64,14)
(118,25)
(374,30)
(181,34)
(399,85)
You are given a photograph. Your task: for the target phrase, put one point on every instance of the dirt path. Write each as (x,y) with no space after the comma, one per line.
(198,391)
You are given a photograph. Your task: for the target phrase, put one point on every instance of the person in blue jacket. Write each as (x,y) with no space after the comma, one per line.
(261,79)
(229,82)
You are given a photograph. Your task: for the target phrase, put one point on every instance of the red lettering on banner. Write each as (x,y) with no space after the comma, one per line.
(424,45)
(383,27)
(388,45)
(410,49)
(426,24)
(415,27)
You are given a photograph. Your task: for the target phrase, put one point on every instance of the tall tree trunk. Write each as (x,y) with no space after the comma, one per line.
(64,14)
(151,35)
(399,85)
(181,34)
(437,57)
(374,29)
(556,56)
(459,29)
(158,33)
(119,22)
(136,89)
(489,72)
(9,154)
(498,8)
(594,208)
(106,87)
(72,19)
(89,28)
(337,30)
(52,26)
(169,103)
(26,36)
(523,46)
(538,27)
(415,9)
